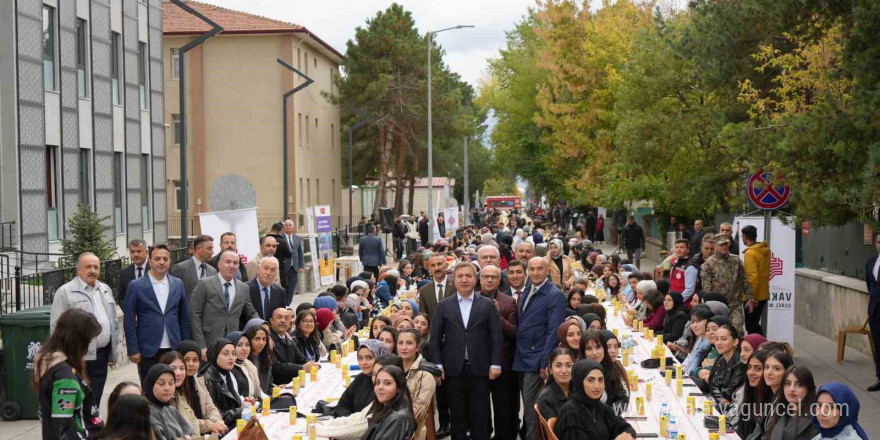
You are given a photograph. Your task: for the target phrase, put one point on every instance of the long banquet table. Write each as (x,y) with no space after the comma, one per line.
(330,385)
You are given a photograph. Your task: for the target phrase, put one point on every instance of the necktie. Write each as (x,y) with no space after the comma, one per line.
(265,301)
(201,270)
(439,293)
(140,272)
(518,295)
(226,294)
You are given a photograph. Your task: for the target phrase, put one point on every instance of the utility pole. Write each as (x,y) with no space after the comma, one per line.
(467,195)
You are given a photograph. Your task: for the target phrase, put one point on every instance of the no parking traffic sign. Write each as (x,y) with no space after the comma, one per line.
(767,193)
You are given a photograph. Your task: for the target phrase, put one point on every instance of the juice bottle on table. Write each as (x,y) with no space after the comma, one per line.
(267,402)
(293,415)
(314,373)
(648,391)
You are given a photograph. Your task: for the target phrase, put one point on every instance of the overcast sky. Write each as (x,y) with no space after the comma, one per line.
(334,21)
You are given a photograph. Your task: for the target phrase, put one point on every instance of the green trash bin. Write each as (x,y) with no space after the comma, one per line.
(23,335)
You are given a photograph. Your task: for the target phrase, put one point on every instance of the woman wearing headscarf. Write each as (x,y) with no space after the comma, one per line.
(569,334)
(216,375)
(676,317)
(167,422)
(585,417)
(329,302)
(838,414)
(360,393)
(561,272)
(612,344)
(349,313)
(330,339)
(245,372)
(207,415)
(593,321)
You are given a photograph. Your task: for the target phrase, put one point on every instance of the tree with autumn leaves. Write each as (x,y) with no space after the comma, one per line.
(632,101)
(385,80)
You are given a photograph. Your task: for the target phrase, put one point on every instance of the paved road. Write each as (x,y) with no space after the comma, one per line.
(811,350)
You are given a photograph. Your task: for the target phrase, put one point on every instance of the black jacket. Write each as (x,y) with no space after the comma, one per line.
(356,397)
(674,324)
(278,298)
(633,237)
(481,338)
(67,405)
(726,377)
(224,400)
(287,360)
(397,425)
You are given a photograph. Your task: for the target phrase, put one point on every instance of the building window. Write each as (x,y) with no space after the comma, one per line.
(178,195)
(308,137)
(50,42)
(145,191)
(306,59)
(175,129)
(298,59)
(142,74)
(299,121)
(115,65)
(316,63)
(118,188)
(175,63)
(51,192)
(85,187)
(82,58)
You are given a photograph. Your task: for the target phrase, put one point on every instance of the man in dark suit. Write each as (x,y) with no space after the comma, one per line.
(287,360)
(505,389)
(196,268)
(466,342)
(220,303)
(292,249)
(872,278)
(156,317)
(398,233)
(430,296)
(541,309)
(371,251)
(228,243)
(266,296)
(137,253)
(440,287)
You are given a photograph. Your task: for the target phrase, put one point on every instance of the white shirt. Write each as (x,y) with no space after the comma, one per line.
(534,290)
(231,288)
(94,293)
(439,292)
(513,292)
(162,288)
(143,269)
(197,264)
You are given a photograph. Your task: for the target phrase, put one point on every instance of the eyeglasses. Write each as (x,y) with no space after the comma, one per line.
(489,277)
(307,321)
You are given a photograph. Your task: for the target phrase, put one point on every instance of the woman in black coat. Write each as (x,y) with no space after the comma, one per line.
(360,393)
(585,417)
(676,317)
(729,372)
(391,415)
(220,383)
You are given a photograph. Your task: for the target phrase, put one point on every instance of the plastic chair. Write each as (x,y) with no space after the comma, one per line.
(853,329)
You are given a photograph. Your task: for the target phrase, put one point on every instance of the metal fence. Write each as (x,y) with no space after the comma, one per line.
(25,291)
(264,223)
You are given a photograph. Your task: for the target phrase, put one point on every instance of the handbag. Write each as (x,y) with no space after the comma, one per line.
(253,431)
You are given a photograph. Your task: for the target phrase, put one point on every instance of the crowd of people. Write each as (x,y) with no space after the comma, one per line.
(500,321)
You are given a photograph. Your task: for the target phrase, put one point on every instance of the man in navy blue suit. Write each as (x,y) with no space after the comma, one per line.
(156,315)
(540,311)
(872,277)
(466,342)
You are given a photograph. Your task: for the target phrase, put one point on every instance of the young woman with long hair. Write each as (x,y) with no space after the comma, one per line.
(616,383)
(128,418)
(360,393)
(68,408)
(728,373)
(749,400)
(307,337)
(379,322)
(391,414)
(124,388)
(557,389)
(421,383)
(775,366)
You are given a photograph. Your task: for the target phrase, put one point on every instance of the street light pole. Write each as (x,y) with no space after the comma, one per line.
(430,134)
(467,196)
(184,181)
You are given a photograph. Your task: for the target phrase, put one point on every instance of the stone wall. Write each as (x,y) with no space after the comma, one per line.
(826,302)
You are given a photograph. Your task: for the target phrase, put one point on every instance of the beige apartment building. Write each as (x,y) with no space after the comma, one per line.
(235,120)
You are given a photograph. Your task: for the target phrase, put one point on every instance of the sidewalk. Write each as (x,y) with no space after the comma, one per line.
(30,429)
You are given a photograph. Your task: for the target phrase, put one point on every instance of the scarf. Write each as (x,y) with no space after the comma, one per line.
(189,383)
(325,317)
(235,337)
(150,381)
(212,355)
(253,323)
(849,406)
(579,374)
(608,335)
(755,340)
(562,332)
(377,347)
(590,317)
(326,302)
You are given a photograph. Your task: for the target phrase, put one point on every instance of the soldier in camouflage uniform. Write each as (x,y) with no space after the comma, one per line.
(724,273)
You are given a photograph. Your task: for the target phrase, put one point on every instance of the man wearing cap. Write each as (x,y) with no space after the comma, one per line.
(725,274)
